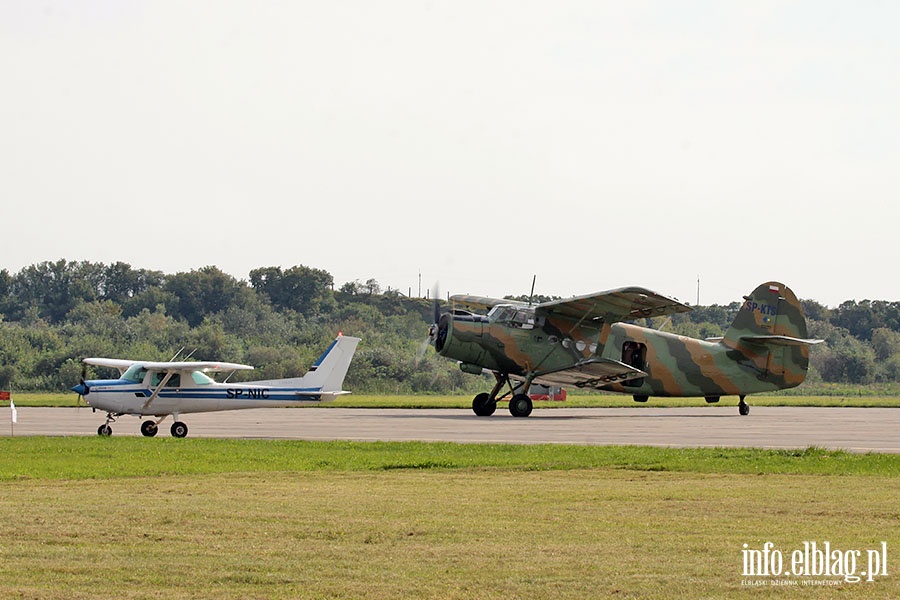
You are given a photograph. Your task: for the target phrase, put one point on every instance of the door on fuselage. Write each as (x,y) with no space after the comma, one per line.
(634,354)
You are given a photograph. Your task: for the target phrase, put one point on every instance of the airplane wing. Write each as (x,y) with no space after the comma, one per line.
(622,304)
(114,363)
(207,366)
(592,372)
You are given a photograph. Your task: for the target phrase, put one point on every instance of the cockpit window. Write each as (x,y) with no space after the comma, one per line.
(135,374)
(512,316)
(502,313)
(201,378)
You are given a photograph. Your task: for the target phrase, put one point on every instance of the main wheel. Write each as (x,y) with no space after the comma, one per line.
(743,409)
(482,405)
(149,428)
(104,430)
(178,429)
(520,405)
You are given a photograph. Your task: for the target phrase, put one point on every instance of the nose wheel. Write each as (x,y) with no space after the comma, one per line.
(105,430)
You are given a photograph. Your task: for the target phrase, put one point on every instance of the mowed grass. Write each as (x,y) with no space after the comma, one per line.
(128,517)
(573,401)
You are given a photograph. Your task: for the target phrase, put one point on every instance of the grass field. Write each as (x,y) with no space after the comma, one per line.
(95,517)
(573,401)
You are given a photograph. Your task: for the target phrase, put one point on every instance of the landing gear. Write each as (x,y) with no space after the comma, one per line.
(712,399)
(520,405)
(743,407)
(640,398)
(483,406)
(179,429)
(149,428)
(105,430)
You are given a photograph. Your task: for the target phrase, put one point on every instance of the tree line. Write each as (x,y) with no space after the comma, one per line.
(53,314)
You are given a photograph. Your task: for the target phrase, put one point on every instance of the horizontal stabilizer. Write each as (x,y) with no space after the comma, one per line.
(778,340)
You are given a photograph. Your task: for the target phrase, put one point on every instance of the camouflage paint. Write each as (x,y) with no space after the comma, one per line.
(765,348)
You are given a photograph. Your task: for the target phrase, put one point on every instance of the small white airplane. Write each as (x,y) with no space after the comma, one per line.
(160,389)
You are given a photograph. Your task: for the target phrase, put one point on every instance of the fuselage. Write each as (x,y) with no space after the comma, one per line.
(191,392)
(520,345)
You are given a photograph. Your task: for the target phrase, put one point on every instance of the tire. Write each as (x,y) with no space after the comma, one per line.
(482,405)
(179,429)
(149,428)
(104,430)
(520,405)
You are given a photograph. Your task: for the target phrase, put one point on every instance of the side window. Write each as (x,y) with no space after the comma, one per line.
(634,354)
(174,380)
(201,378)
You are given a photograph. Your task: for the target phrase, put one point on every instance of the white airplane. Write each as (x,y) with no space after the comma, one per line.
(160,389)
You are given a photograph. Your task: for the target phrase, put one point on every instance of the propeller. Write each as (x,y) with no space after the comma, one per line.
(432,329)
(83,389)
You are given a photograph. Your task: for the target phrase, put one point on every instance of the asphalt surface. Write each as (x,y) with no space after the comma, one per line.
(853,429)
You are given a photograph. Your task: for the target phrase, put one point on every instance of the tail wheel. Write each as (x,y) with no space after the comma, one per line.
(520,405)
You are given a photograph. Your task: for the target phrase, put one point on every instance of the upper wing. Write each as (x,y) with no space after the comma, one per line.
(115,363)
(168,366)
(592,372)
(622,304)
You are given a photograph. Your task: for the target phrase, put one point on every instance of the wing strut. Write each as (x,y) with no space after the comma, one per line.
(155,393)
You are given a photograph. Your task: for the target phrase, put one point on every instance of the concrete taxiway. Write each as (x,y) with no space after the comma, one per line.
(853,429)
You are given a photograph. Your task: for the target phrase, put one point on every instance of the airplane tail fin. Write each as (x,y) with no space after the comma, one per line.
(771,326)
(325,378)
(328,372)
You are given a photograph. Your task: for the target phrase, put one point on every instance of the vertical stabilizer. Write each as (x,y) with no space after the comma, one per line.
(771,311)
(327,373)
(329,370)
(770,332)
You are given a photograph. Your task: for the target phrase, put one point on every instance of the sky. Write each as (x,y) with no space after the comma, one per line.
(470,144)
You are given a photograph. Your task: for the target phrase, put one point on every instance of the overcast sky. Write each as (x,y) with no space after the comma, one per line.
(479,143)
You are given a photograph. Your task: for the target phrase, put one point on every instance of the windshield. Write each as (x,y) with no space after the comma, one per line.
(520,316)
(135,374)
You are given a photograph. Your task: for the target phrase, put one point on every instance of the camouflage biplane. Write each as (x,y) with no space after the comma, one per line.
(587,342)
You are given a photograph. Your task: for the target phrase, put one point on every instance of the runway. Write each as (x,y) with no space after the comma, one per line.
(853,429)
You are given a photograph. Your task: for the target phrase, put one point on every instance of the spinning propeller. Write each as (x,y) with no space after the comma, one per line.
(83,389)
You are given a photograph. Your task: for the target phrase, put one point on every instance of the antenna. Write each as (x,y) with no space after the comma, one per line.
(531,297)
(698,290)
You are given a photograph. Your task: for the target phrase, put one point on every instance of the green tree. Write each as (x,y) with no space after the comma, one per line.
(300,288)
(207,291)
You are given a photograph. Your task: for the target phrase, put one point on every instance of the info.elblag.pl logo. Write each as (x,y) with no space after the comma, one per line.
(813,564)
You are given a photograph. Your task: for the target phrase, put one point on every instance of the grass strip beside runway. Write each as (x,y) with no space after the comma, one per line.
(91,457)
(90,517)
